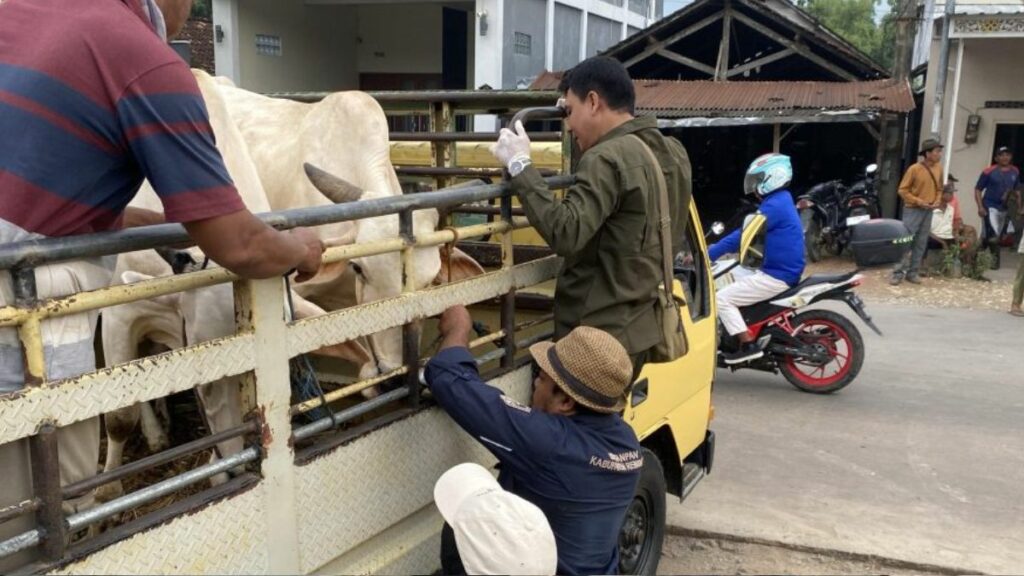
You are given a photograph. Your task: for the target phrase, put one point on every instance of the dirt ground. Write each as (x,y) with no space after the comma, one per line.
(933,292)
(709,555)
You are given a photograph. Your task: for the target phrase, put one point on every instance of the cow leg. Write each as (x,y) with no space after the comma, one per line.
(156,437)
(221,403)
(120,426)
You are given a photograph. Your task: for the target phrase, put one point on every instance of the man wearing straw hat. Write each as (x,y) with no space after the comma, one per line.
(569,452)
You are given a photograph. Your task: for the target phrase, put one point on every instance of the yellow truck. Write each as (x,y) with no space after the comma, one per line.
(350,492)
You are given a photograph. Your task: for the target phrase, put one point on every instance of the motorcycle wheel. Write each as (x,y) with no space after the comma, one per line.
(835,334)
(812,236)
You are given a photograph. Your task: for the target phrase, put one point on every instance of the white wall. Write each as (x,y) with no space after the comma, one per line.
(992,70)
(402,38)
(318,46)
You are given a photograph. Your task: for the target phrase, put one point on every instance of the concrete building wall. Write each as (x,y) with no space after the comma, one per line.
(318,46)
(568,26)
(601,33)
(990,71)
(525,23)
(403,38)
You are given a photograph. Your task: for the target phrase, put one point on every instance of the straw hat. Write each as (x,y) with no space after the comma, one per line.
(590,366)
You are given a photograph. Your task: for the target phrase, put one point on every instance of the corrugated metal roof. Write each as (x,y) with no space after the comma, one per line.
(670,99)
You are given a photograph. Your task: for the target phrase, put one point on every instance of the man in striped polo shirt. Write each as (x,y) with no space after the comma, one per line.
(93,101)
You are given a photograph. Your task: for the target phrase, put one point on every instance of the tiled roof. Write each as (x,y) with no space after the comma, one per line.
(668,99)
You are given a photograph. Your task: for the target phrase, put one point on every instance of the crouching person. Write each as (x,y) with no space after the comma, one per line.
(569,452)
(496,531)
(783,265)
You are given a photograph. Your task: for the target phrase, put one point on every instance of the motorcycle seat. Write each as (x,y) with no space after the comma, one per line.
(814,280)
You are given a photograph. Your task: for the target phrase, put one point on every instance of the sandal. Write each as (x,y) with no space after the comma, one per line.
(1017,312)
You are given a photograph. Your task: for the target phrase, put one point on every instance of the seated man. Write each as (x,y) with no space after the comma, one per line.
(948,228)
(783,265)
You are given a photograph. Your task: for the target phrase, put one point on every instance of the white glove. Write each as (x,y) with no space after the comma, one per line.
(512,145)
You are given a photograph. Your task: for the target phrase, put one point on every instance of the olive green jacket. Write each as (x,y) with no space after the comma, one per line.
(606,228)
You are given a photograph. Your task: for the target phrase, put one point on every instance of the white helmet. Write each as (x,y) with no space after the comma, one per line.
(767,174)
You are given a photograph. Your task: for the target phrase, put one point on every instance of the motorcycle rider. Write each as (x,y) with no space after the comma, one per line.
(766,180)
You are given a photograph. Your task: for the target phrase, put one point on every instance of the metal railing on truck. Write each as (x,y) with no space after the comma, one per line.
(259,351)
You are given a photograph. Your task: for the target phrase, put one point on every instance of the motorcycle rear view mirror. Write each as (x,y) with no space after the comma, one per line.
(871,169)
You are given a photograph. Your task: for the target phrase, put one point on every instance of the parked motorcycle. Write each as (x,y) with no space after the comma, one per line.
(818,351)
(829,211)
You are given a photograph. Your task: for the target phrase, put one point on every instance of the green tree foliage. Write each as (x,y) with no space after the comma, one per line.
(202,9)
(854,20)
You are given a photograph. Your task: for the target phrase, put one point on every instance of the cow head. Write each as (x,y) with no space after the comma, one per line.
(380,277)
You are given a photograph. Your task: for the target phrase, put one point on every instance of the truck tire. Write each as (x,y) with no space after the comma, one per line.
(643,530)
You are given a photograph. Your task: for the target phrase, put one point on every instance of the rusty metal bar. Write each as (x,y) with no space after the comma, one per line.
(508,300)
(437,171)
(495,210)
(35,252)
(466,137)
(46,484)
(139,497)
(22,541)
(182,507)
(19,509)
(532,323)
(26,298)
(132,468)
(325,424)
(357,387)
(121,294)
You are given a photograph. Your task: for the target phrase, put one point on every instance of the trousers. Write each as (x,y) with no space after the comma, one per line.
(748,290)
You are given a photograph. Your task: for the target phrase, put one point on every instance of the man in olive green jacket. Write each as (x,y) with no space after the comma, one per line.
(606,226)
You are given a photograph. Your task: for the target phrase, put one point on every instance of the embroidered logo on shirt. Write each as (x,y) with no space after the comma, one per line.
(624,462)
(515,405)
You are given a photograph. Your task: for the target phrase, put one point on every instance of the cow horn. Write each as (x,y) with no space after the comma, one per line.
(335,189)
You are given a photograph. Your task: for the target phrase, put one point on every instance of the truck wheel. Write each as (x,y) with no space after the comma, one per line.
(643,531)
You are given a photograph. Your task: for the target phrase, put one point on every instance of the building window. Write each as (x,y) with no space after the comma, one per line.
(524,44)
(267,45)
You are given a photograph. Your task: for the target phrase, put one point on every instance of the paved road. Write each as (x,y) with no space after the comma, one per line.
(921,459)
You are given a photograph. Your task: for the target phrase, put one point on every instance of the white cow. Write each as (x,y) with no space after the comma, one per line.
(346,135)
(265,144)
(160,320)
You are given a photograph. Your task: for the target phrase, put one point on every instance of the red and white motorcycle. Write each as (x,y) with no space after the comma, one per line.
(816,350)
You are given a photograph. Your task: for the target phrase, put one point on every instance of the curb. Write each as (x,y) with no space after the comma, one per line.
(838,554)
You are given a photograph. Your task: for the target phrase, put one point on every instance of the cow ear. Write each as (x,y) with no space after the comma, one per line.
(462,267)
(336,189)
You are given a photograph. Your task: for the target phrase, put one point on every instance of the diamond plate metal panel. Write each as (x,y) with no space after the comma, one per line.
(313,333)
(68,401)
(229,537)
(378,480)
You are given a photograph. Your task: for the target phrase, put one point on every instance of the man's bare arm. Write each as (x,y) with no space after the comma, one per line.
(245,245)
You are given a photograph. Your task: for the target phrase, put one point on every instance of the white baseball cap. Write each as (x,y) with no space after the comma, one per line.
(496,531)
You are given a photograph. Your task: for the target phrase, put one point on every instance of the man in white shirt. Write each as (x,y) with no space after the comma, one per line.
(947,226)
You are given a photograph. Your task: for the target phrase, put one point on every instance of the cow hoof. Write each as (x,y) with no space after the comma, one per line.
(158,444)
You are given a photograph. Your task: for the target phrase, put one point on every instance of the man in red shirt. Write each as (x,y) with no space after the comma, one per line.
(92,102)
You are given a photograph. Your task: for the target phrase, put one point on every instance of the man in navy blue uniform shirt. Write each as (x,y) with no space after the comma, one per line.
(569,453)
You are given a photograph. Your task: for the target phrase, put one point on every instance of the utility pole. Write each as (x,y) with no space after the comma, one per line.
(894,133)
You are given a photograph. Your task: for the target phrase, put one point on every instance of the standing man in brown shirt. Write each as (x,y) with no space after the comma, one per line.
(921,191)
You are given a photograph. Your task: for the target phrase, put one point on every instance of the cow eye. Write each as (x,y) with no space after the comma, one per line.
(358,270)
